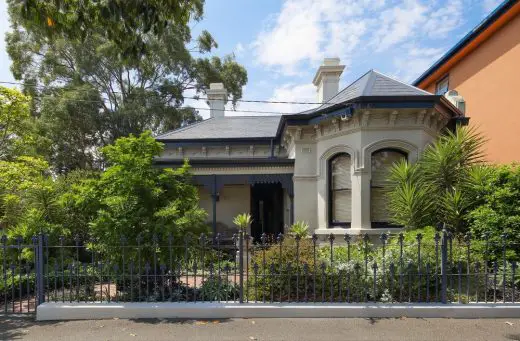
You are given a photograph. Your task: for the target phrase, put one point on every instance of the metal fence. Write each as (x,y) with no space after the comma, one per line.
(341,269)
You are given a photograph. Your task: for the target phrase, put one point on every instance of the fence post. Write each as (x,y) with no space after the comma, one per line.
(241,264)
(39,271)
(444,267)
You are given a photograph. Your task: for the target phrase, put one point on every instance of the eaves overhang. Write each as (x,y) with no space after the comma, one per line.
(194,162)
(437,102)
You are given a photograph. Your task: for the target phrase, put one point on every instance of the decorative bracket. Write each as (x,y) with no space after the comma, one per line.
(420,117)
(365,118)
(392,118)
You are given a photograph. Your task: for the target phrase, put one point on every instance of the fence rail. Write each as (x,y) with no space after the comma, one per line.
(439,268)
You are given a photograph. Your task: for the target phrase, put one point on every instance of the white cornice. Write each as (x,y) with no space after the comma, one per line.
(242,170)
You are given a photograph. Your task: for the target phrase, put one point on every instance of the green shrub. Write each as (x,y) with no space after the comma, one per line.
(499,213)
(218,289)
(349,273)
(278,265)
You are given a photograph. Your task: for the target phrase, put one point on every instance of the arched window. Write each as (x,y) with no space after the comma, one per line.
(382,161)
(340,190)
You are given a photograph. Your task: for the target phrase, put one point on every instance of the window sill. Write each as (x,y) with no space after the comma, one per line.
(353,231)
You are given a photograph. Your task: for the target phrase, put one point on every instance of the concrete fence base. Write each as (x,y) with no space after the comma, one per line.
(89,311)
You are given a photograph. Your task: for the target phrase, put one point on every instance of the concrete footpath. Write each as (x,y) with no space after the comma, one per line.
(401,329)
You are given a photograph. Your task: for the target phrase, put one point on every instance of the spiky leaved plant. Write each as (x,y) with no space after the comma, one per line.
(300,229)
(242,221)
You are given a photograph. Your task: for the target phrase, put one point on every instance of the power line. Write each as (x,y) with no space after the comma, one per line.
(181,107)
(198,98)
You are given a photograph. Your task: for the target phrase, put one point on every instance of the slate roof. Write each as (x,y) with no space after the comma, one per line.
(374,83)
(371,84)
(227,127)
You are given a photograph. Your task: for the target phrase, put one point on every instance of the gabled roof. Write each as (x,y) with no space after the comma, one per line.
(227,127)
(493,22)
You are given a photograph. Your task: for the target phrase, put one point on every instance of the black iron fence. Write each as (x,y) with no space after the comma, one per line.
(341,269)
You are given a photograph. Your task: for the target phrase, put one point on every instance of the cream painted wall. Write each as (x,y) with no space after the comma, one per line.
(234,199)
(409,132)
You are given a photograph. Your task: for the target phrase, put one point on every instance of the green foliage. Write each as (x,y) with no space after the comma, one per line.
(354,267)
(273,270)
(242,221)
(16,127)
(300,229)
(133,198)
(215,288)
(87,94)
(499,212)
(128,24)
(440,187)
(33,202)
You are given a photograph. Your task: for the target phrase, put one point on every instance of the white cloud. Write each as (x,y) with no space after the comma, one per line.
(309,30)
(489,5)
(398,24)
(305,31)
(415,61)
(444,19)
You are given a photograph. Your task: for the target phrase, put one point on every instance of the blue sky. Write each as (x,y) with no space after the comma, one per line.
(281,43)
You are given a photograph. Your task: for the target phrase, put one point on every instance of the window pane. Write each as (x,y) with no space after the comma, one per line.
(341,172)
(382,161)
(442,87)
(341,206)
(379,212)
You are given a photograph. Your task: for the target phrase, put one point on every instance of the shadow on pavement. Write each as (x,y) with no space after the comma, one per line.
(180,321)
(13,327)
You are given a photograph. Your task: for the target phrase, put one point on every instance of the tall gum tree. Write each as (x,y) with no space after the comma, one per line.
(88,89)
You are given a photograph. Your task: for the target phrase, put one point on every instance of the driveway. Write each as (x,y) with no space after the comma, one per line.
(262,329)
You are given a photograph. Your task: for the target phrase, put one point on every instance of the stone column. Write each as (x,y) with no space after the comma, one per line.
(361,200)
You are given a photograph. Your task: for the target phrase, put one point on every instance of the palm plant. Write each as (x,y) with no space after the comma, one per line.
(242,221)
(410,202)
(299,229)
(440,187)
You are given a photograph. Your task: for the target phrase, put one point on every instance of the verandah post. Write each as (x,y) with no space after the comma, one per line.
(444,266)
(241,264)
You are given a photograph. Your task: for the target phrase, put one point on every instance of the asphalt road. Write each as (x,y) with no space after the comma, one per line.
(262,329)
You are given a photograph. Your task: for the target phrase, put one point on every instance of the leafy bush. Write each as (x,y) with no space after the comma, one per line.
(218,289)
(497,218)
(276,266)
(134,199)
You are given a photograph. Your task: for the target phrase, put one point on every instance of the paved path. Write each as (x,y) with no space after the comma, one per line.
(262,329)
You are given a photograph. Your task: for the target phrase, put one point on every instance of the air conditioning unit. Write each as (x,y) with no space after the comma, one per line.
(457,100)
